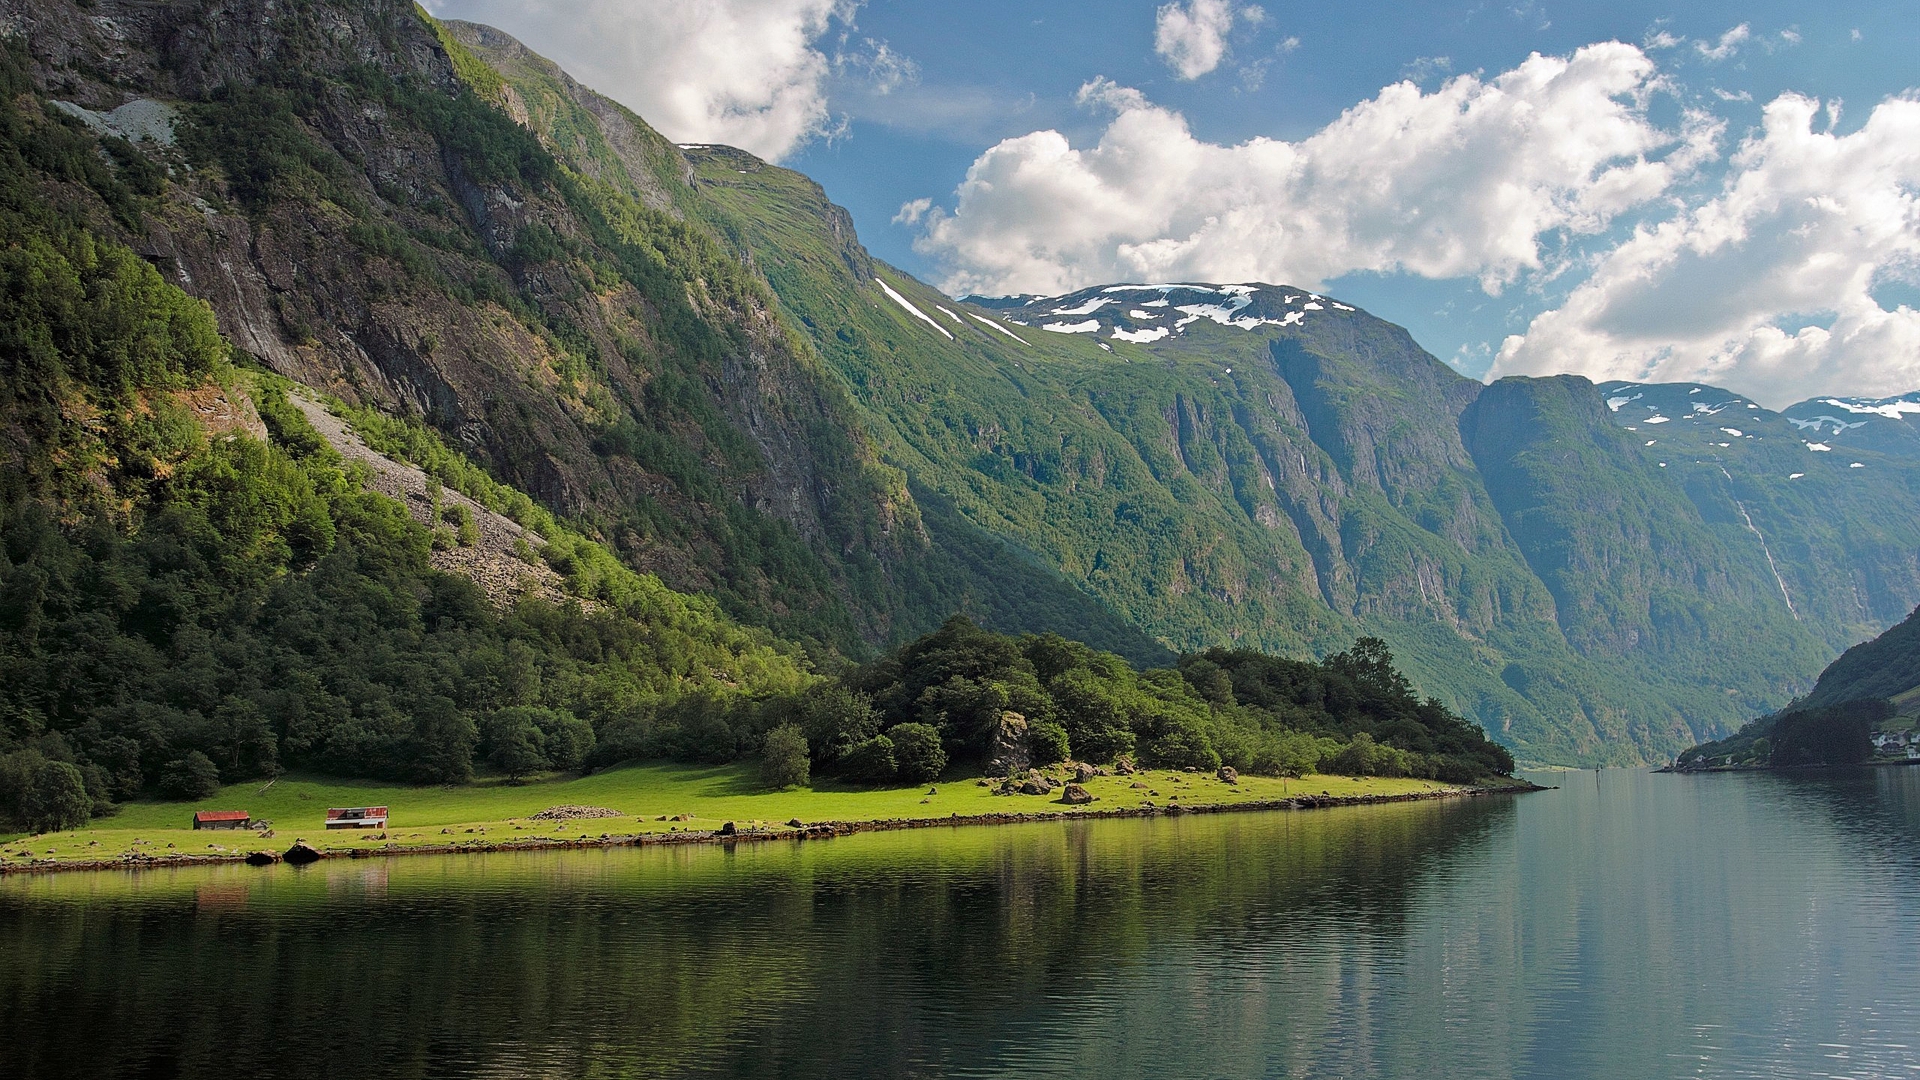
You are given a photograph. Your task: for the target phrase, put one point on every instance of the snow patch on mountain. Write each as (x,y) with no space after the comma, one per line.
(914,311)
(984,321)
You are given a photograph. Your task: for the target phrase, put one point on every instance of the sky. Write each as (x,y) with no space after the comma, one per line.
(1718,192)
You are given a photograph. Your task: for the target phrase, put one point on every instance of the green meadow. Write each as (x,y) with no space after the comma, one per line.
(649,797)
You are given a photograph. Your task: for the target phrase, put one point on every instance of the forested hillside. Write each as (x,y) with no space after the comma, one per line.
(1871,686)
(686,355)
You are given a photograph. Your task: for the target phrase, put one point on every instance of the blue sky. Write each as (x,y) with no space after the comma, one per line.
(1673,232)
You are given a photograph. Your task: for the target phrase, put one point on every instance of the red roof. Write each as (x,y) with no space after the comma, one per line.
(220,815)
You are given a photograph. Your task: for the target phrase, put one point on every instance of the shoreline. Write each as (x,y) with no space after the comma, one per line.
(1890,763)
(727,834)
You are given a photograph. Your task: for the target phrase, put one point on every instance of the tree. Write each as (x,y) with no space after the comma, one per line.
(517,745)
(835,719)
(192,776)
(917,752)
(783,758)
(1047,743)
(871,762)
(569,739)
(58,799)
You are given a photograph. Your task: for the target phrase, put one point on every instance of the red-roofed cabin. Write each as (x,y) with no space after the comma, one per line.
(221,819)
(357,817)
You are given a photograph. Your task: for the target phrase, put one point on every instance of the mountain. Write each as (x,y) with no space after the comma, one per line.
(1872,687)
(1870,423)
(686,354)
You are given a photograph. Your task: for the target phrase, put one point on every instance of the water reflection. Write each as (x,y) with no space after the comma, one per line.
(1624,925)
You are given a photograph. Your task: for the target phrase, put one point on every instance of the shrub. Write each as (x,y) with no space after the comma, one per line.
(783,758)
(1047,743)
(193,776)
(870,762)
(1182,748)
(917,752)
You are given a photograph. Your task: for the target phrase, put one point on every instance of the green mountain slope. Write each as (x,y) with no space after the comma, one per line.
(687,353)
(1283,483)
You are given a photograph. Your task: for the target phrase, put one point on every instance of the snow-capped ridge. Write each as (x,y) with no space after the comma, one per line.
(1119,312)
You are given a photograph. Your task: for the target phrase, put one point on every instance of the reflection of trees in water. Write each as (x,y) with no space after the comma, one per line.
(1875,809)
(882,954)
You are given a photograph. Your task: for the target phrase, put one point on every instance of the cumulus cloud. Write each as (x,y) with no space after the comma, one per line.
(1769,285)
(1463,181)
(1192,37)
(748,73)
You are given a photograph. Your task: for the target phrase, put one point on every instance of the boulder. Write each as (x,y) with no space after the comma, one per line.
(1075,795)
(795,823)
(728,829)
(1083,772)
(1124,766)
(1007,753)
(302,853)
(1229,774)
(262,858)
(1036,783)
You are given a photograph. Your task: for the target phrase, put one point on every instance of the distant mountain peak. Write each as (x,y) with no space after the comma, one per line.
(1147,312)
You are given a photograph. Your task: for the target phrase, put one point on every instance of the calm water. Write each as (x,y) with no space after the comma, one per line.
(1626,925)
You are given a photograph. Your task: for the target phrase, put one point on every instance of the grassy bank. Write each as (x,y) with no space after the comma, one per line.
(643,794)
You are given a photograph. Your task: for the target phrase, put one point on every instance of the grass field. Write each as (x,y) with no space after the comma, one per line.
(643,794)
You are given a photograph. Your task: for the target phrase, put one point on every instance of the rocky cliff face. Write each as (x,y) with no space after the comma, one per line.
(357,196)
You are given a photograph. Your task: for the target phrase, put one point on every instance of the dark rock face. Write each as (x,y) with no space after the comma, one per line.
(1007,753)
(1036,783)
(302,853)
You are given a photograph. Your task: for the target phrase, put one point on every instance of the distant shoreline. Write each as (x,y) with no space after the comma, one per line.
(822,830)
(1894,763)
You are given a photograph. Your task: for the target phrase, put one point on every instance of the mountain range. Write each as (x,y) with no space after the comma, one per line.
(686,354)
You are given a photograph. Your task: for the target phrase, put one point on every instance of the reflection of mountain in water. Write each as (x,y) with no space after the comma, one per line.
(881,955)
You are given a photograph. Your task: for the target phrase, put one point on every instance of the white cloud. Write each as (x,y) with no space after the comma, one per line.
(1728,44)
(1769,284)
(1662,39)
(1464,181)
(743,72)
(1192,38)
(880,66)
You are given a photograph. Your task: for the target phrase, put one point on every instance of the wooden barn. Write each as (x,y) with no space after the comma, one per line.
(357,817)
(221,819)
